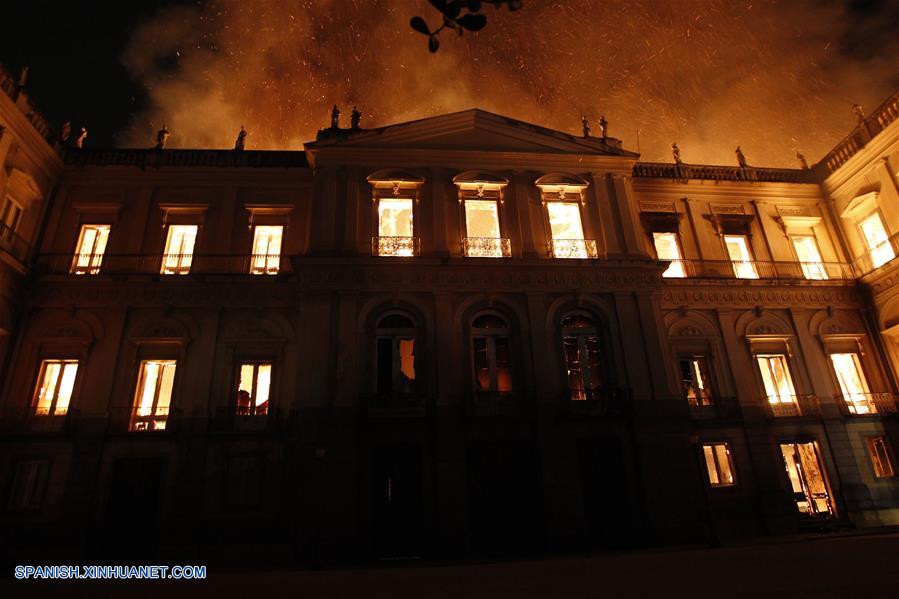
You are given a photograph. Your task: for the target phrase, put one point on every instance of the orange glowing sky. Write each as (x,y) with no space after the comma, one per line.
(772,76)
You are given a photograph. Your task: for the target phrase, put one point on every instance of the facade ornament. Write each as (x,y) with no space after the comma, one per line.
(396,188)
(802,161)
(241,139)
(480,190)
(741,157)
(162,137)
(561,192)
(82,135)
(355,117)
(335,117)
(858,112)
(585,125)
(675,151)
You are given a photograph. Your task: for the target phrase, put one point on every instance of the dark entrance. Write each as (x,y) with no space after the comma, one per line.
(604,484)
(396,501)
(132,508)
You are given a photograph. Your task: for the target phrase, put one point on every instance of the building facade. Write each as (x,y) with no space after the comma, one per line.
(464,335)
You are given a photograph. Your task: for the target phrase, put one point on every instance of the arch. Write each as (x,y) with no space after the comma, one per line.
(82,325)
(480,177)
(765,324)
(241,326)
(372,311)
(178,326)
(394,175)
(561,179)
(470,308)
(838,323)
(596,307)
(690,324)
(888,314)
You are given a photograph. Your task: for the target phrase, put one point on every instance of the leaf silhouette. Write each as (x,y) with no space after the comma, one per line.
(419,25)
(433,44)
(472,22)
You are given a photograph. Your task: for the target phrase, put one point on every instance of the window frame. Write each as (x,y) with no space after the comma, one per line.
(876,462)
(750,263)
(95,261)
(154,418)
(37,504)
(678,262)
(731,463)
(499,239)
(38,385)
(255,259)
(179,267)
(581,334)
(710,387)
(554,253)
(788,368)
(804,266)
(888,244)
(8,205)
(395,335)
(490,338)
(256,363)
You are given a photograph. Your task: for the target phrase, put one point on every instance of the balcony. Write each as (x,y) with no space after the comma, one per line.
(151,264)
(573,248)
(393,405)
(728,269)
(486,247)
(721,408)
(17,247)
(861,404)
(796,406)
(24,419)
(225,420)
(394,246)
(605,401)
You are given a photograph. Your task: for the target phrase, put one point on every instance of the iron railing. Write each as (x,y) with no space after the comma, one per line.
(794,406)
(573,248)
(152,264)
(754,269)
(394,246)
(720,408)
(487,247)
(10,241)
(864,132)
(857,404)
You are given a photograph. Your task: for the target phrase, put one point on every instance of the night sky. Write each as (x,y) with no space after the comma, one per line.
(774,76)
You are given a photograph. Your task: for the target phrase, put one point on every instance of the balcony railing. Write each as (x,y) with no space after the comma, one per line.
(394,405)
(152,264)
(573,248)
(878,255)
(866,130)
(487,247)
(394,246)
(720,408)
(728,269)
(794,406)
(12,243)
(858,404)
(227,419)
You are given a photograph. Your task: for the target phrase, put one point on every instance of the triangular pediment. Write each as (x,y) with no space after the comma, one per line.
(470,130)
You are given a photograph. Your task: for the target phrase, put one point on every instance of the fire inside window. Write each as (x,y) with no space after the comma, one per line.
(877,240)
(491,354)
(254,388)
(395,230)
(880,457)
(266,259)
(90,249)
(54,387)
(809,257)
(580,342)
(853,385)
(667,249)
(719,464)
(482,228)
(396,356)
(179,249)
(695,380)
(807,479)
(567,232)
(154,395)
(776,378)
(740,256)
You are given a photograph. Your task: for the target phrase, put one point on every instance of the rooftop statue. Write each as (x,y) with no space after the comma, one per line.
(858,112)
(741,158)
(355,117)
(675,151)
(335,117)
(65,132)
(585,125)
(241,139)
(82,135)
(162,136)
(603,127)
(802,161)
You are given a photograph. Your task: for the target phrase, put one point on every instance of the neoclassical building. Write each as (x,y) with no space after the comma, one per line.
(463,335)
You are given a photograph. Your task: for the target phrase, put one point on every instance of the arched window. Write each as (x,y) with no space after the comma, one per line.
(580,341)
(395,355)
(491,355)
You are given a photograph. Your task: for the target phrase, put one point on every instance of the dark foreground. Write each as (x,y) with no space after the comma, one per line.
(842,567)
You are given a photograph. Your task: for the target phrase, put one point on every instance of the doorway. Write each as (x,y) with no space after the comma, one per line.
(808,479)
(396,501)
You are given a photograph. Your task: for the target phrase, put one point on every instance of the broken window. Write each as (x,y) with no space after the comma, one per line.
(695,380)
(853,385)
(807,479)
(153,395)
(740,256)
(879,451)
(28,485)
(668,248)
(396,355)
(90,249)
(776,378)
(266,258)
(809,257)
(253,388)
(9,219)
(395,229)
(491,357)
(567,232)
(719,464)
(179,249)
(877,240)
(580,341)
(54,387)
(482,230)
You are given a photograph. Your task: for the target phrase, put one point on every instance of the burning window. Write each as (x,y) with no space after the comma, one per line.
(776,378)
(879,451)
(567,232)
(90,249)
(809,257)
(580,341)
(740,256)
(28,485)
(9,219)
(482,229)
(153,395)
(877,240)
(853,385)
(719,464)
(54,388)
(667,248)
(807,479)
(254,388)
(179,249)
(695,380)
(395,230)
(396,355)
(266,259)
(491,355)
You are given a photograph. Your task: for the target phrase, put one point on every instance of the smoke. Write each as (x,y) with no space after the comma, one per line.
(775,77)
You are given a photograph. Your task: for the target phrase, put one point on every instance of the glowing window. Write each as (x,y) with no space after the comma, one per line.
(54,388)
(877,240)
(254,388)
(852,383)
(179,249)
(395,229)
(776,378)
(740,256)
(807,479)
(809,257)
(153,395)
(28,485)
(667,249)
(90,249)
(482,229)
(395,355)
(9,219)
(695,380)
(266,259)
(879,451)
(491,357)
(580,342)
(719,464)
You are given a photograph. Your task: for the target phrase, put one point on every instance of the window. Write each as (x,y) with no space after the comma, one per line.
(695,380)
(567,233)
(740,256)
(580,342)
(179,249)
(154,395)
(254,388)
(482,230)
(9,219)
(776,378)
(28,485)
(877,240)
(719,464)
(54,387)
(90,249)
(667,248)
(266,259)
(880,457)
(243,484)
(396,355)
(491,350)
(395,230)
(809,257)
(808,481)
(853,385)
